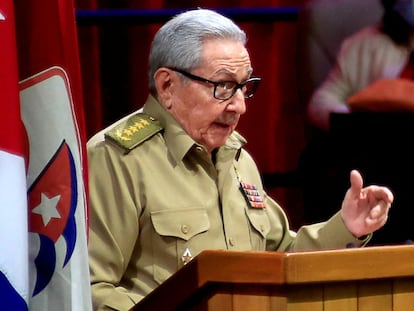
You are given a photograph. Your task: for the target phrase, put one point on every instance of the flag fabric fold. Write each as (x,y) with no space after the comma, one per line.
(14,290)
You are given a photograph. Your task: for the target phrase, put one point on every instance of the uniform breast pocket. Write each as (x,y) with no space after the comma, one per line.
(259,228)
(174,231)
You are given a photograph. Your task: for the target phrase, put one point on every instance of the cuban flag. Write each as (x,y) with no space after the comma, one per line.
(43,228)
(58,261)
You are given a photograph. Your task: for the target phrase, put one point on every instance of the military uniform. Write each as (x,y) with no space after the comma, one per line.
(158,198)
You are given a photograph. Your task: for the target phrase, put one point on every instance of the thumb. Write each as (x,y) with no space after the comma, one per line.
(356,182)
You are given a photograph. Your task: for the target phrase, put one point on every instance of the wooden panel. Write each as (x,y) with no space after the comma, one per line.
(340,297)
(350,264)
(375,296)
(305,298)
(241,297)
(403,298)
(243,302)
(279,303)
(220,302)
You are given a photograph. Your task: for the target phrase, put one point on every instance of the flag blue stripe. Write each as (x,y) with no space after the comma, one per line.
(45,263)
(9,298)
(69,232)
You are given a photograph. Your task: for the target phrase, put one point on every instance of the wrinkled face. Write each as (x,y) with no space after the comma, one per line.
(210,121)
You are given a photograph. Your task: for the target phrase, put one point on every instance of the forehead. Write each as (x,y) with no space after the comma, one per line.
(225,52)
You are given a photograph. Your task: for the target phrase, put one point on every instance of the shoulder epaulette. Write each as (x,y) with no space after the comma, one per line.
(134,131)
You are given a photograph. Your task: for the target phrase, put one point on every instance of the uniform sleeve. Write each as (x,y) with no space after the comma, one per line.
(112,215)
(331,234)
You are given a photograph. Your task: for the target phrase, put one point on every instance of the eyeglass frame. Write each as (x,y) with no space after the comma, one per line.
(217,83)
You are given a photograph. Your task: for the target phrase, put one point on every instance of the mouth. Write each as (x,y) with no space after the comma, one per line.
(224,126)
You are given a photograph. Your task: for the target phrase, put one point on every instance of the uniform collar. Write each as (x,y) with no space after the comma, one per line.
(178,142)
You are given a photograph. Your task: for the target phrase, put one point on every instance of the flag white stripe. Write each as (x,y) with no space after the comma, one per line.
(13,228)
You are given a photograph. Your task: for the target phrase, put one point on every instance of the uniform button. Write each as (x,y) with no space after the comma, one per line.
(261,228)
(185,229)
(232,242)
(199,149)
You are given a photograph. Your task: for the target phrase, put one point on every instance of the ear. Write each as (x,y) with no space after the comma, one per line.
(164,84)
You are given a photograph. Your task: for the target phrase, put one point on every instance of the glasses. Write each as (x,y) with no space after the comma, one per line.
(224,90)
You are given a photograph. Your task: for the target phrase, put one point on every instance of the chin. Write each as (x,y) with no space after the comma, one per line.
(218,142)
(218,137)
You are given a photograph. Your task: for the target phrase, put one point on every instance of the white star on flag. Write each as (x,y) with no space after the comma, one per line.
(47,208)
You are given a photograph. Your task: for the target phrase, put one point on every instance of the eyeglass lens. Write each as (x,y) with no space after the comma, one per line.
(226,90)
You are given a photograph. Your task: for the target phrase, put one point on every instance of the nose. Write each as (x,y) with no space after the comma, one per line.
(237,103)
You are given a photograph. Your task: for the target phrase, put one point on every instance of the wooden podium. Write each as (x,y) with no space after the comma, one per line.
(358,279)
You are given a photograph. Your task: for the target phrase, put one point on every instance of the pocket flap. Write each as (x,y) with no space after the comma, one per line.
(183,223)
(259,220)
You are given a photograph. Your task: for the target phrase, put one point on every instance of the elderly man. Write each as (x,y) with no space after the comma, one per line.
(174,180)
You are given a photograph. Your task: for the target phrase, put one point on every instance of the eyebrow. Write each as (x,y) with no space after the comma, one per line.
(225,71)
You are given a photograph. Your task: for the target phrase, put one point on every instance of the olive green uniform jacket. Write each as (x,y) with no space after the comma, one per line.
(151,203)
